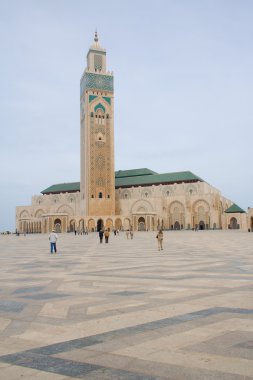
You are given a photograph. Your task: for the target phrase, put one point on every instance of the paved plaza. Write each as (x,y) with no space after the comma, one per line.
(124,310)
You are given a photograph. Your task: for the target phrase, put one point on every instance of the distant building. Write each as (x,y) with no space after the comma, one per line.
(140,199)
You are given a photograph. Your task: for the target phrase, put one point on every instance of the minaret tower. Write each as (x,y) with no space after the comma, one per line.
(97,185)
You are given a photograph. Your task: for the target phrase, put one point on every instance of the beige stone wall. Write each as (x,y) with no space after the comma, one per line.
(250,219)
(236,221)
(100,173)
(46,210)
(97,154)
(173,206)
(169,206)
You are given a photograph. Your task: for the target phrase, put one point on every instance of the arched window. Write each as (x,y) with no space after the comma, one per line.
(100,195)
(92,196)
(108,196)
(100,114)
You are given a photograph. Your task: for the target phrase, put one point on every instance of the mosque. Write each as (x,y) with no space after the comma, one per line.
(138,199)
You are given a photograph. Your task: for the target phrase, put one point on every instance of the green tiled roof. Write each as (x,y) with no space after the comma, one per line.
(128,178)
(62,188)
(133,172)
(234,209)
(156,179)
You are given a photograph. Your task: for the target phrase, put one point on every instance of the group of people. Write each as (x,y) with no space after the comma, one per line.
(104,233)
(81,232)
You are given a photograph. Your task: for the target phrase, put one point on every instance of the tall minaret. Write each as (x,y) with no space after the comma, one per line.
(97,185)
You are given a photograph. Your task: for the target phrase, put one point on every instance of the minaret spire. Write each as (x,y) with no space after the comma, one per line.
(96,36)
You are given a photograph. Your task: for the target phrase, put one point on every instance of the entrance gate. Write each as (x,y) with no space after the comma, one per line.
(57,225)
(141,224)
(201,225)
(100,225)
(233,223)
(176,226)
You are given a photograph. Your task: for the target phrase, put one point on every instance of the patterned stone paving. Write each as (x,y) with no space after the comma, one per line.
(124,310)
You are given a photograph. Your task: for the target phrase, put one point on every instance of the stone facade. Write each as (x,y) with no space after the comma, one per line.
(175,206)
(143,200)
(250,219)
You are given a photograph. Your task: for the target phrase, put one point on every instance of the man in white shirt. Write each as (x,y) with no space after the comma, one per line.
(53,239)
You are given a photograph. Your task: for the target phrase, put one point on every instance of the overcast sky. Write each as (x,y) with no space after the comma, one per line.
(183,74)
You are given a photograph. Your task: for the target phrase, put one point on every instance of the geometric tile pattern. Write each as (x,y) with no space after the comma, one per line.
(11,306)
(43,296)
(123,310)
(96,81)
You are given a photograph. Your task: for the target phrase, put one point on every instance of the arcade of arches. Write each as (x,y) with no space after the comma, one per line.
(175,219)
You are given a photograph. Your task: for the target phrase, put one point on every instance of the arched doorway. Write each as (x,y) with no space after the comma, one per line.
(81,225)
(233,224)
(176,217)
(201,225)
(72,226)
(141,224)
(100,225)
(109,224)
(118,224)
(201,214)
(176,226)
(57,225)
(251,224)
(91,225)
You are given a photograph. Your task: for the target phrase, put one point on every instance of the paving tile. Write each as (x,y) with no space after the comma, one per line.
(28,290)
(127,293)
(11,306)
(122,311)
(44,296)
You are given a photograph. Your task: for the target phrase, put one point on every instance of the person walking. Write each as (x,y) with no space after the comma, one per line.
(101,234)
(159,237)
(53,239)
(131,234)
(107,234)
